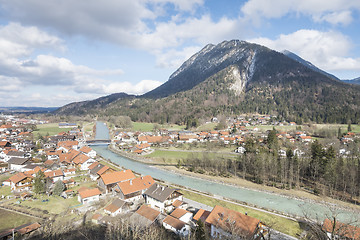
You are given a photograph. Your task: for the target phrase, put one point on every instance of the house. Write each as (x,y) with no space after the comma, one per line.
(20,182)
(182,215)
(177,226)
(341,230)
(3,166)
(201,215)
(133,189)
(109,180)
(96,169)
(56,175)
(229,223)
(4,144)
(17,164)
(68,144)
(88,151)
(68,172)
(116,207)
(144,216)
(20,230)
(82,161)
(14,154)
(179,204)
(89,195)
(161,197)
(306,138)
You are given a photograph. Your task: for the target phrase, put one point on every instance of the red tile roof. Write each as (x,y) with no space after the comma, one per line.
(80,158)
(341,229)
(119,176)
(148,212)
(85,149)
(178,213)
(135,185)
(89,193)
(227,219)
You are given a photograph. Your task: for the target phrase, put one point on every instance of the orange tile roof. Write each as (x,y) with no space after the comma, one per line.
(151,139)
(148,212)
(55,173)
(201,214)
(178,213)
(119,176)
(174,222)
(67,143)
(341,229)
(115,205)
(223,217)
(103,170)
(17,177)
(80,158)
(89,193)
(29,228)
(177,203)
(85,149)
(93,165)
(135,185)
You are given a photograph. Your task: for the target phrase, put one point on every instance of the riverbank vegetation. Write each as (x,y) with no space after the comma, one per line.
(315,168)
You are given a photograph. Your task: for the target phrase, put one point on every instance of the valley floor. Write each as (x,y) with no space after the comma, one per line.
(237,181)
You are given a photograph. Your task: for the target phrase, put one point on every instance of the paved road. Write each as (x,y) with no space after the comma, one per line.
(197,205)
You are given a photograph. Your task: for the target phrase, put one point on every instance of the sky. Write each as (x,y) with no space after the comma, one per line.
(56,52)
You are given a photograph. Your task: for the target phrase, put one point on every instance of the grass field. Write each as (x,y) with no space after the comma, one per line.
(172,157)
(55,205)
(281,224)
(5,191)
(344,127)
(207,127)
(10,219)
(49,128)
(148,127)
(4,176)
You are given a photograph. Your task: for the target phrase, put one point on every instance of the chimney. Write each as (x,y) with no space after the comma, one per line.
(131,182)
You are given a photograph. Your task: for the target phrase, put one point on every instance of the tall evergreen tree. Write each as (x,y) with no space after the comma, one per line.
(39,183)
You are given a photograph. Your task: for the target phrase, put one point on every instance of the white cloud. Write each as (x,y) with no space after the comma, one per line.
(130,88)
(335,18)
(334,12)
(174,58)
(327,50)
(19,69)
(9,84)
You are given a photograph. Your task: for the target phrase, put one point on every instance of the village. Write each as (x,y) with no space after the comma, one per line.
(63,165)
(232,136)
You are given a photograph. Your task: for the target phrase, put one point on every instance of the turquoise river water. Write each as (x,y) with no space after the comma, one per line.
(295,207)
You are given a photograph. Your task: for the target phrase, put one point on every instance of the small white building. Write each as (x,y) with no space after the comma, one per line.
(177,226)
(116,207)
(161,198)
(89,195)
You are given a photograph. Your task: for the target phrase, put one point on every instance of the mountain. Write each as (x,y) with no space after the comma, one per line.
(235,77)
(84,107)
(353,81)
(307,64)
(204,64)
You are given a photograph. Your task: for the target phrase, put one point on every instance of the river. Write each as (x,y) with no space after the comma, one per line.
(261,199)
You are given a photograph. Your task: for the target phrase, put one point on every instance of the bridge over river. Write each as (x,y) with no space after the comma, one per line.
(98,142)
